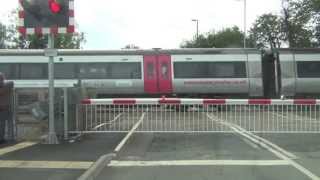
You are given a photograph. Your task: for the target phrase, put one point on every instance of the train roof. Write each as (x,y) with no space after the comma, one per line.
(299,50)
(73,52)
(69,52)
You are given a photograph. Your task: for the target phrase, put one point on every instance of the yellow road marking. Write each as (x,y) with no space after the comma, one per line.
(16,147)
(46,164)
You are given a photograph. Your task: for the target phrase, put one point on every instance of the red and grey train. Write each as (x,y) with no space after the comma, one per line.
(210,73)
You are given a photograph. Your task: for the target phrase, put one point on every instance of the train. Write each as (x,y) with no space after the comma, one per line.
(201,73)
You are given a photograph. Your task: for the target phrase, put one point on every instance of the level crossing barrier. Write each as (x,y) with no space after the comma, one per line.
(164,115)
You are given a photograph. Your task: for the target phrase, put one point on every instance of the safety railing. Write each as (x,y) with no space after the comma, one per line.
(198,115)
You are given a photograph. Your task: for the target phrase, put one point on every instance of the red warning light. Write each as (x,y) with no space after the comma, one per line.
(54,6)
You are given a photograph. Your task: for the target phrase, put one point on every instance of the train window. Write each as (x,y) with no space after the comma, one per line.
(150,70)
(210,70)
(130,70)
(34,71)
(165,70)
(308,69)
(65,71)
(93,71)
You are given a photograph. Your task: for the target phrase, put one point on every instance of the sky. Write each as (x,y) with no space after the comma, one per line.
(112,24)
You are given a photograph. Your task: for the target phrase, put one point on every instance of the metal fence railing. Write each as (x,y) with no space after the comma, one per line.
(198,115)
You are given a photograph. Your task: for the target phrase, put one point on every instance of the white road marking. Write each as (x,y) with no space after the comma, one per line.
(108,123)
(125,139)
(278,148)
(200,163)
(16,147)
(287,153)
(253,145)
(244,133)
(45,164)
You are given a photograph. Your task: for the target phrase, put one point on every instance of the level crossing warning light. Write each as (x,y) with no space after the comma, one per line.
(54,6)
(46,16)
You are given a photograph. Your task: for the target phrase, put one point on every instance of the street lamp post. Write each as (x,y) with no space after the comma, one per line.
(244,22)
(197,34)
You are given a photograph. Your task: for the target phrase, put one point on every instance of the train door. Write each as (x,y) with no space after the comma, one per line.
(164,76)
(157,74)
(150,74)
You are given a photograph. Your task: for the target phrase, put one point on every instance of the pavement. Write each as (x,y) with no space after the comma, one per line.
(66,161)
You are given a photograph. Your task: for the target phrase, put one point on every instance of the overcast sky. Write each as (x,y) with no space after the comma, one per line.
(111,24)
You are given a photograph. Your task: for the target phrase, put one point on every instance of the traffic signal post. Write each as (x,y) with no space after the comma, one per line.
(51,53)
(49,17)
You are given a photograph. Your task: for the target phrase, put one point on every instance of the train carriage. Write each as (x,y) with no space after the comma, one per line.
(300,72)
(212,73)
(184,72)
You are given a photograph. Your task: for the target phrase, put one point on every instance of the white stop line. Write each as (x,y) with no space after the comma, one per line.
(200,163)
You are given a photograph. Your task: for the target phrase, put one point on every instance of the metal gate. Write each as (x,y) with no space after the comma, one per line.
(198,115)
(7,121)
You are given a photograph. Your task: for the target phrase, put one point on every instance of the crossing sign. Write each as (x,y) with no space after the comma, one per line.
(46,16)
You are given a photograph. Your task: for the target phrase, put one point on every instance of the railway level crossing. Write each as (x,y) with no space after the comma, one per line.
(169,138)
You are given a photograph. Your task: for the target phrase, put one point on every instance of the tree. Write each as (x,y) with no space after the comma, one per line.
(315,16)
(295,19)
(62,41)
(293,27)
(226,38)
(131,46)
(3,36)
(267,32)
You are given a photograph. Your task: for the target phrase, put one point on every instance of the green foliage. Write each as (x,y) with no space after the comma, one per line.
(298,26)
(62,41)
(315,13)
(226,38)
(131,46)
(267,32)
(295,21)
(3,36)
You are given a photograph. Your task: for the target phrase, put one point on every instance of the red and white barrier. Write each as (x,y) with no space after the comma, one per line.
(183,101)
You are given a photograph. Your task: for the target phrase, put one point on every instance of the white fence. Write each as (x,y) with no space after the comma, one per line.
(198,115)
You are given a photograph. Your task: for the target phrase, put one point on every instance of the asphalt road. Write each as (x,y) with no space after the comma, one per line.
(229,154)
(235,153)
(138,158)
